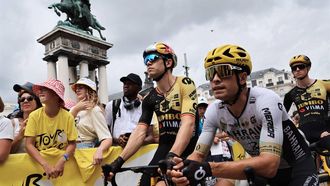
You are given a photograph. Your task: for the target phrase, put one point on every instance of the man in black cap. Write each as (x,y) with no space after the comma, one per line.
(123,114)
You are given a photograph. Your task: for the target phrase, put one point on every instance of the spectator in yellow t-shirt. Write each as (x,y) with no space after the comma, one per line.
(50,126)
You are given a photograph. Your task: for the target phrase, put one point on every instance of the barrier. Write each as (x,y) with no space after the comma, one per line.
(22,170)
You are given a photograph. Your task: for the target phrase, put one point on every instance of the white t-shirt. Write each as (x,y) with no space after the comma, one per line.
(91,125)
(126,120)
(6,128)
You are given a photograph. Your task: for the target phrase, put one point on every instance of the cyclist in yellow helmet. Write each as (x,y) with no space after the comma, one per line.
(255,117)
(311,97)
(174,101)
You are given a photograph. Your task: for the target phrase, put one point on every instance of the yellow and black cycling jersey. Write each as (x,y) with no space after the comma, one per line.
(180,100)
(311,102)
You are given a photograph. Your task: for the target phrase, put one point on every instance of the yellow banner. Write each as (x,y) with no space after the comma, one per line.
(22,170)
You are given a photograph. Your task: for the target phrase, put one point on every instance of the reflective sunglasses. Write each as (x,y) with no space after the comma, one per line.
(222,70)
(301,67)
(29,98)
(151,58)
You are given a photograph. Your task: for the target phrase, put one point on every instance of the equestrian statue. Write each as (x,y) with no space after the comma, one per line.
(78,15)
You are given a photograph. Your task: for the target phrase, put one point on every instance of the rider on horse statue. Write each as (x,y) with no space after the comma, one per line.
(78,15)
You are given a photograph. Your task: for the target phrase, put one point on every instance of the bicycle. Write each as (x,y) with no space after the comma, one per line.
(323,150)
(151,170)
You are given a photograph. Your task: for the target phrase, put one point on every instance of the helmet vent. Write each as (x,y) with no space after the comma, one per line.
(241,49)
(227,53)
(241,54)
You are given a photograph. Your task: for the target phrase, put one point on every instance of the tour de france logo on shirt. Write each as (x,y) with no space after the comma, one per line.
(46,140)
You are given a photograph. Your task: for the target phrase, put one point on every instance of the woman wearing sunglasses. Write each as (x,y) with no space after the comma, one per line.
(27,102)
(311,97)
(90,119)
(254,117)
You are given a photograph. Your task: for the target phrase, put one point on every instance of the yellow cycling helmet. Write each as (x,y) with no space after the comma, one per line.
(300,59)
(229,54)
(163,49)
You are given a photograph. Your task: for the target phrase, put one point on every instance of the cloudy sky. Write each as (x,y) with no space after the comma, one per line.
(272,31)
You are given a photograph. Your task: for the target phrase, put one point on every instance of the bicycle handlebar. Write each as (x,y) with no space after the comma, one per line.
(151,170)
(322,146)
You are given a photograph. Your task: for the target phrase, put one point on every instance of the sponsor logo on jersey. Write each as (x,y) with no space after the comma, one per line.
(295,146)
(187,81)
(270,123)
(311,105)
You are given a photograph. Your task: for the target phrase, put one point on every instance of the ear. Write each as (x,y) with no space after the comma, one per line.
(242,78)
(169,63)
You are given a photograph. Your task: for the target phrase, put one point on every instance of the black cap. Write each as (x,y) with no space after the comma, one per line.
(27,86)
(132,77)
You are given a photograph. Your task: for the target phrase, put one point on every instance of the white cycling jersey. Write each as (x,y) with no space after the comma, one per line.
(263,126)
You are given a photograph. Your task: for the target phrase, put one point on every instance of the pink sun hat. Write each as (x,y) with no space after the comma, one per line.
(52,84)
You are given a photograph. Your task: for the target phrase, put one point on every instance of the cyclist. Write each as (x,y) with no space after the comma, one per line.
(255,117)
(310,98)
(174,101)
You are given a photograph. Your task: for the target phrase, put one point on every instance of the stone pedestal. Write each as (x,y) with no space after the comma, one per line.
(71,54)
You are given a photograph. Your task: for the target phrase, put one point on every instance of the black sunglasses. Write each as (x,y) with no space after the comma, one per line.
(29,98)
(301,67)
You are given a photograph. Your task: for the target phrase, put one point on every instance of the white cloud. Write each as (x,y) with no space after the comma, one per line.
(272,31)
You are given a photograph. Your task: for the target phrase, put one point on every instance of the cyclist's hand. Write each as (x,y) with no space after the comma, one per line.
(196,171)
(178,178)
(325,133)
(110,169)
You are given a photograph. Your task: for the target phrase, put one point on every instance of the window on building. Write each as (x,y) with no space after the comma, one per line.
(280,80)
(260,83)
(270,83)
(210,92)
(254,83)
(286,77)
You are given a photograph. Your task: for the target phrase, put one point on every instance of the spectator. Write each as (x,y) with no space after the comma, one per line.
(123,114)
(90,120)
(6,135)
(53,124)
(18,88)
(27,102)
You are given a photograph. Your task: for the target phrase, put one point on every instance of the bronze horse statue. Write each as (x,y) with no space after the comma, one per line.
(78,15)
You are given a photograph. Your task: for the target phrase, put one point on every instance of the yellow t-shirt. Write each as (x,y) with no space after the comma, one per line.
(51,132)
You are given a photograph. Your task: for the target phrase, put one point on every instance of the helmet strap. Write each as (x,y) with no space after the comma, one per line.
(162,75)
(240,89)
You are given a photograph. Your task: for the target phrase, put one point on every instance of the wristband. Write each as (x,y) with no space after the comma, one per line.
(66,157)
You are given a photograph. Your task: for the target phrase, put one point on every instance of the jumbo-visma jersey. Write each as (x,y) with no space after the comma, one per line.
(311,103)
(180,99)
(263,126)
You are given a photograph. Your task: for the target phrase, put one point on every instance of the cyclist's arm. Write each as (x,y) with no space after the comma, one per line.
(184,134)
(135,141)
(188,111)
(287,101)
(139,134)
(264,165)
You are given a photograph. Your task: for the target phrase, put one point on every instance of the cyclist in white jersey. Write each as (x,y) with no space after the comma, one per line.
(256,118)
